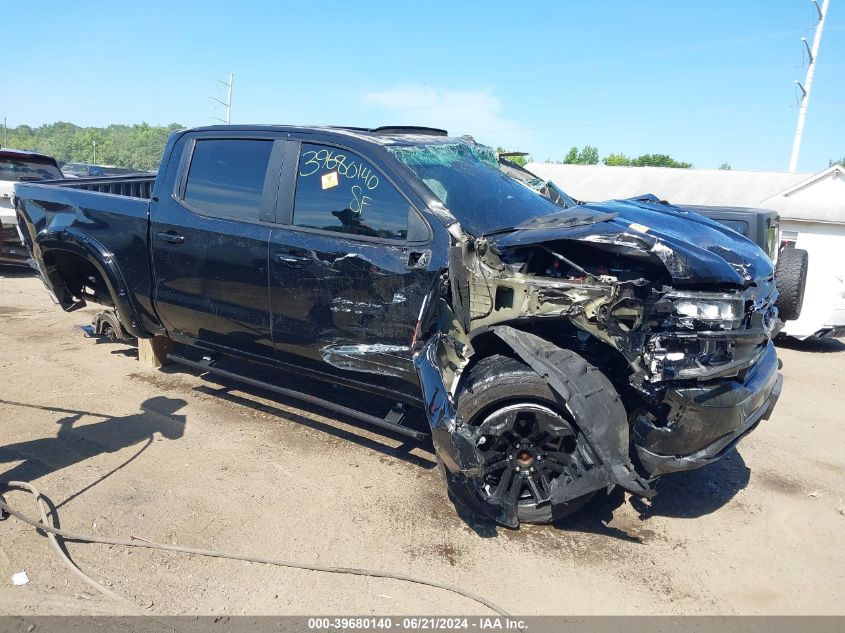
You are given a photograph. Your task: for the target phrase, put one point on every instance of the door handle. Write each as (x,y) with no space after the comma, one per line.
(289,260)
(171,237)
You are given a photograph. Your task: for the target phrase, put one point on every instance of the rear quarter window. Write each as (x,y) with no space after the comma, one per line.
(740,226)
(226,177)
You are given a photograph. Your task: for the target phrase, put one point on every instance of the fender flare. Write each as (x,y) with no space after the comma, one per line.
(607,430)
(455,443)
(74,241)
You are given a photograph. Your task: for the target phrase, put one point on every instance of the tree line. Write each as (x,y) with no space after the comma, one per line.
(140,146)
(136,146)
(589,155)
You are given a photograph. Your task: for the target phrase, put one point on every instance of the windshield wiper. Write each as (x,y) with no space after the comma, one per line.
(500,231)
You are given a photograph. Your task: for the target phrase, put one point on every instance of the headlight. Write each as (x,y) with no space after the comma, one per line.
(709,309)
(712,311)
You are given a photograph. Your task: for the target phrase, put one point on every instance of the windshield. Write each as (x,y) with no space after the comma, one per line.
(467,180)
(21,169)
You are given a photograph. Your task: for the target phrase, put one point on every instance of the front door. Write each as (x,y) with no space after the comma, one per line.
(209,245)
(347,280)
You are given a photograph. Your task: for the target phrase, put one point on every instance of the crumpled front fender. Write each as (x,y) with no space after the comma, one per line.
(605,427)
(454,445)
(606,430)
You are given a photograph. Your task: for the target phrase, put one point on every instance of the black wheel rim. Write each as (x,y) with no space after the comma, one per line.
(525,447)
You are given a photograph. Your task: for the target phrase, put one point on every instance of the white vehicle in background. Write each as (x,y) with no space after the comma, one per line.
(17,166)
(823,310)
(812,218)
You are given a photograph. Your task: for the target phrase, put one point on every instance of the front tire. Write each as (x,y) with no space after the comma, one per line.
(527,439)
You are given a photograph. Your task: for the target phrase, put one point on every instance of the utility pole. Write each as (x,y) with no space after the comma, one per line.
(808,83)
(94,145)
(5,139)
(228,103)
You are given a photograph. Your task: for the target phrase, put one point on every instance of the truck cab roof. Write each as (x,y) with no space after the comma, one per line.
(383,135)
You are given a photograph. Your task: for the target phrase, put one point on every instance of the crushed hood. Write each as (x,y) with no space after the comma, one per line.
(694,249)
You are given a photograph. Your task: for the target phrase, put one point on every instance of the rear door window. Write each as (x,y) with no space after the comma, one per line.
(226,177)
(337,190)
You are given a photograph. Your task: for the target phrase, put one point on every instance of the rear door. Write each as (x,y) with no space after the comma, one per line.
(348,267)
(209,242)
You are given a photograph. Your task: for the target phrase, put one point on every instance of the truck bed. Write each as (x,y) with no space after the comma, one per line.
(110,202)
(98,232)
(132,186)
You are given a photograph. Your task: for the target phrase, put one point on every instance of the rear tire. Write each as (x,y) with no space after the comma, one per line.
(499,384)
(791,278)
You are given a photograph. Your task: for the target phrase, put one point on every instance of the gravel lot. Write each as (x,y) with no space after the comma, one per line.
(170,456)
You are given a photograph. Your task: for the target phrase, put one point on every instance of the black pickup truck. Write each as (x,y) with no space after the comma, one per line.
(554,352)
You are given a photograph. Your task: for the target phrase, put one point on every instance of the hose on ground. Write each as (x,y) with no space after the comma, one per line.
(54,533)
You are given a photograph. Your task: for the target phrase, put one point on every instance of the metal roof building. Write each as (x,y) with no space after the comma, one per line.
(808,197)
(811,209)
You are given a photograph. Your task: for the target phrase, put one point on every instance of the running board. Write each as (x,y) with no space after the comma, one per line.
(298,395)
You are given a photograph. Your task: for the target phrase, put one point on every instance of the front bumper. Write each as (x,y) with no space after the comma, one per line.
(706,420)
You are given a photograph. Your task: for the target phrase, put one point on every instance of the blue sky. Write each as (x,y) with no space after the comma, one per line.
(706,81)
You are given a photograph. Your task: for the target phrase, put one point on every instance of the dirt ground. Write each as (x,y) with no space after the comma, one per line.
(170,456)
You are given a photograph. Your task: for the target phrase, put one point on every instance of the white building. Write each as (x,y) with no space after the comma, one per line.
(811,207)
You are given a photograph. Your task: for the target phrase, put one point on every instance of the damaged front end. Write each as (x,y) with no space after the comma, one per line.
(676,313)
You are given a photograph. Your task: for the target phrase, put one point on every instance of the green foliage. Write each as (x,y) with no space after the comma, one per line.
(841,161)
(645,160)
(725,167)
(136,146)
(618,160)
(659,160)
(588,155)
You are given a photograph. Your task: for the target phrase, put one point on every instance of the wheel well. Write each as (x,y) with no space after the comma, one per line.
(484,345)
(73,274)
(598,353)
